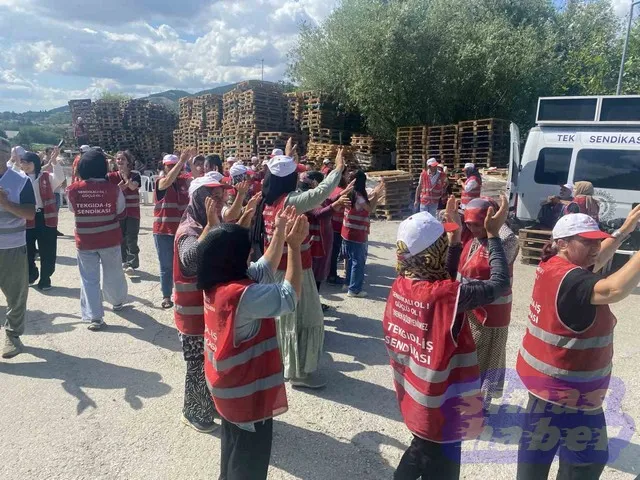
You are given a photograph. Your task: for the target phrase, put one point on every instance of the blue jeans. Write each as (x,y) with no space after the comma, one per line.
(356,256)
(432,209)
(114,285)
(164,247)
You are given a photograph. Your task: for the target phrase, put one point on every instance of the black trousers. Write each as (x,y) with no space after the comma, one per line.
(47,239)
(245,455)
(430,460)
(129,247)
(579,438)
(335,253)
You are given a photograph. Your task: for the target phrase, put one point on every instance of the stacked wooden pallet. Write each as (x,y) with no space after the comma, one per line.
(372,154)
(531,243)
(442,144)
(292,112)
(484,142)
(396,200)
(411,151)
(267,141)
(322,120)
(135,125)
(317,152)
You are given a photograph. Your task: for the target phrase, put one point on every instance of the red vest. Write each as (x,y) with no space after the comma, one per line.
(48,202)
(168,211)
(95,205)
(474,193)
(556,363)
(437,379)
(431,194)
(131,197)
(188,311)
(246,380)
(269,214)
(315,234)
(338,215)
(476,267)
(355,226)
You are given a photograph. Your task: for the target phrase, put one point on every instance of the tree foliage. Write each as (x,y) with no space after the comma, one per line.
(108,96)
(442,61)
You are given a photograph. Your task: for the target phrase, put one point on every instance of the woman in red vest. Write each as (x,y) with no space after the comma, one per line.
(206,195)
(320,228)
(432,353)
(565,360)
(243,368)
(472,185)
(489,323)
(97,206)
(432,188)
(172,198)
(128,180)
(583,201)
(355,232)
(43,229)
(301,334)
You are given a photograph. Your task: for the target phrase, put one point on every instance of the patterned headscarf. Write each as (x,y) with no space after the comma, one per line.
(429,265)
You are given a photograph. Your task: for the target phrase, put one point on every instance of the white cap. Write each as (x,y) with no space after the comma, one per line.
(79,119)
(420,231)
(237,169)
(170,160)
(568,186)
(19,151)
(282,166)
(232,159)
(469,165)
(254,159)
(207,180)
(326,161)
(578,224)
(432,162)
(214,175)
(276,152)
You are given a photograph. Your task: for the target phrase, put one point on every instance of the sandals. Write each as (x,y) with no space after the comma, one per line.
(166,303)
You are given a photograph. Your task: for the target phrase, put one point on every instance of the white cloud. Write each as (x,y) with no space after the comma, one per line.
(76,47)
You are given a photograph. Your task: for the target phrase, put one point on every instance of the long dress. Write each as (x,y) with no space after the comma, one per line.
(301,333)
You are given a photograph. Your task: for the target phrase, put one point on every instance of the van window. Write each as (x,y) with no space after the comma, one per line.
(615,169)
(552,167)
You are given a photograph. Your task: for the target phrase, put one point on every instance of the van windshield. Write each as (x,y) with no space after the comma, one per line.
(613,169)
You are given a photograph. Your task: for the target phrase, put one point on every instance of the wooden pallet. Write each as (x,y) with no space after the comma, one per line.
(531,244)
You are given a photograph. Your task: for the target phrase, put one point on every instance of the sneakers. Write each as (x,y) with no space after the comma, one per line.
(118,307)
(201,427)
(335,281)
(310,381)
(44,287)
(360,294)
(130,272)
(12,346)
(96,325)
(325,307)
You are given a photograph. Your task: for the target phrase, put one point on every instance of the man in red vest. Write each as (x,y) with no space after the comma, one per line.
(98,206)
(432,187)
(172,198)
(243,368)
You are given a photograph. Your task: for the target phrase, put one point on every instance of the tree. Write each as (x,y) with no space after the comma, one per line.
(3,134)
(442,61)
(108,96)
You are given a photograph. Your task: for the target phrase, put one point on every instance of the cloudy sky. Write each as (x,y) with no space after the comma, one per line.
(55,50)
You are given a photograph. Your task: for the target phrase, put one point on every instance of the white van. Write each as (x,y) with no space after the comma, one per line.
(596,139)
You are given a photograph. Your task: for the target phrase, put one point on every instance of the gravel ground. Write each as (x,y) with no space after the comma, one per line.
(80,404)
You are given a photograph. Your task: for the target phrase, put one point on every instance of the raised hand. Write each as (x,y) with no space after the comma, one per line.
(298,232)
(451,211)
(631,222)
(211,206)
(290,148)
(253,201)
(54,156)
(284,216)
(340,159)
(243,187)
(495,220)
(188,154)
(347,191)
(247,217)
